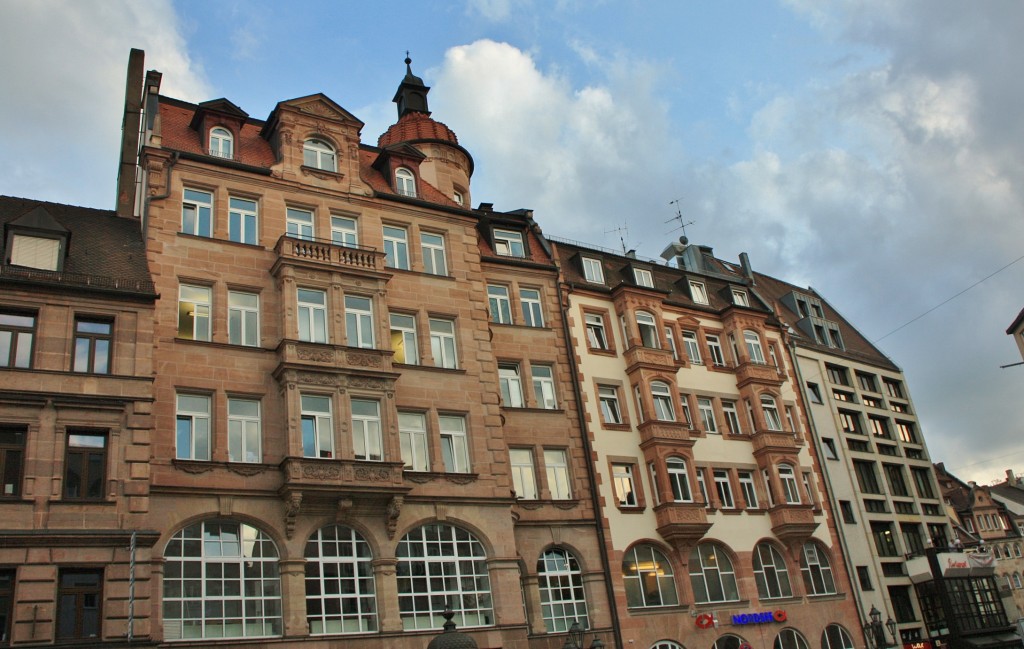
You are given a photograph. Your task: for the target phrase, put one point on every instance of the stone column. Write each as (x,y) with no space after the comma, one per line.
(293,596)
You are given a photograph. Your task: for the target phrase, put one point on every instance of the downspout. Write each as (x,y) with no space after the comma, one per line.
(591,478)
(159,197)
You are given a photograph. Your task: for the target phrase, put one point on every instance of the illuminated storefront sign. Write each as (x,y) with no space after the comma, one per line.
(764,617)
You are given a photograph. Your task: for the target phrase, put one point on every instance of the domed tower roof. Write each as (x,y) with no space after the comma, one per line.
(414,121)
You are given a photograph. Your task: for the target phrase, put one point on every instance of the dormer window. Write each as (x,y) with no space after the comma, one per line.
(221,143)
(698,292)
(508,243)
(592,270)
(36,240)
(740,297)
(35,252)
(319,155)
(643,277)
(405,182)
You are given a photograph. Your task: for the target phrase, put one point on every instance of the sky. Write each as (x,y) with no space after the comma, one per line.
(872,150)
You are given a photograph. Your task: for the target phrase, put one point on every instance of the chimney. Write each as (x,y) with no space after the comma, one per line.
(631,254)
(130,128)
(745,265)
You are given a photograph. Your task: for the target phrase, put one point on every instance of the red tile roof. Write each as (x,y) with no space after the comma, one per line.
(416,126)
(250,148)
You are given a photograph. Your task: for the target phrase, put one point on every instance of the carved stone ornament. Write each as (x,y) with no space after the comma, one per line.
(321,174)
(420,478)
(460,478)
(363,360)
(291,512)
(321,471)
(365,383)
(344,509)
(195,467)
(372,474)
(246,469)
(566,504)
(530,504)
(315,355)
(316,379)
(393,512)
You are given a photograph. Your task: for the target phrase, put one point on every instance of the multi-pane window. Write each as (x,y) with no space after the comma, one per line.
(366,437)
(396,247)
(424,555)
(885,540)
(816,570)
(92,345)
(850,422)
(789,639)
(544,386)
(771,413)
(698,292)
(648,331)
(299,224)
(770,573)
(715,350)
(508,243)
(511,385)
(747,488)
(915,544)
(86,468)
(312,306)
(897,484)
(867,382)
(679,480)
(648,578)
(556,466)
(905,430)
(723,487)
(837,375)
(403,339)
(732,418)
(867,479)
(524,477)
(243,318)
(221,580)
(12,456)
(879,427)
(17,331)
(592,270)
(344,232)
(922,482)
(753,343)
(692,348)
(596,335)
(192,428)
(442,343)
(529,300)
(625,487)
(242,220)
(499,304)
(643,277)
(893,388)
(608,395)
(740,297)
(560,583)
(7,577)
(194,312)
(244,439)
(412,437)
(317,426)
(661,395)
(79,598)
(340,593)
(707,415)
(221,143)
(319,155)
(197,213)
(405,182)
(359,321)
(790,488)
(712,575)
(454,444)
(433,253)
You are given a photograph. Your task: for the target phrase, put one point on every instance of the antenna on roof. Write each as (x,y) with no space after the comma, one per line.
(622,240)
(678,217)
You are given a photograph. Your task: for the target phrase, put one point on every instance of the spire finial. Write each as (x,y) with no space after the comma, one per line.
(408,61)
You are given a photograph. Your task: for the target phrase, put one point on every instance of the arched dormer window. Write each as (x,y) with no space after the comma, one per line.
(319,155)
(222,143)
(405,182)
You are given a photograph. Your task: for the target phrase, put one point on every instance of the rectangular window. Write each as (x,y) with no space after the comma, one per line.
(242,221)
(454,445)
(86,468)
(609,398)
(412,436)
(403,339)
(625,488)
(871,402)
(499,304)
(864,578)
(899,407)
(643,277)
(244,437)
(748,489)
(433,253)
(837,375)
(905,430)
(79,595)
(243,318)
(592,270)
(7,577)
(544,386)
(880,427)
(396,248)
(732,418)
(866,477)
(702,486)
(12,457)
(698,292)
(715,350)
(556,465)
(442,343)
(299,224)
(844,396)
(867,382)
(317,426)
(740,297)
(529,300)
(524,479)
(17,331)
(194,312)
(707,415)
(197,213)
(846,508)
(670,338)
(724,489)
(43,253)
(312,315)
(192,433)
(815,392)
(894,388)
(344,232)
(511,386)
(684,409)
(885,540)
(508,243)
(897,485)
(596,335)
(850,422)
(922,482)
(829,445)
(692,348)
(366,437)
(359,321)
(92,345)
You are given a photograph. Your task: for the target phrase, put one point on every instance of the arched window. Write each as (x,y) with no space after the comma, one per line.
(679,478)
(1016,580)
(319,155)
(1016,549)
(661,394)
(711,575)
(771,412)
(221,580)
(667,644)
(790,489)
(648,578)
(648,329)
(562,600)
(754,350)
(1009,582)
(816,570)
(728,641)
(790,639)
(441,565)
(340,594)
(770,573)
(221,143)
(836,637)
(405,182)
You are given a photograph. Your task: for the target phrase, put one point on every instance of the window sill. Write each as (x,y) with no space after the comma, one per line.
(104,502)
(632,509)
(529,409)
(731,511)
(602,352)
(625,427)
(658,610)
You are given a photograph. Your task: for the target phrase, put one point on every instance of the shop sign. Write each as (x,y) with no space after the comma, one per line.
(764,617)
(923,644)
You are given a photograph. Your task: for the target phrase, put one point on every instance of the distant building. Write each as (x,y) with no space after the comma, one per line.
(1016,329)
(1009,552)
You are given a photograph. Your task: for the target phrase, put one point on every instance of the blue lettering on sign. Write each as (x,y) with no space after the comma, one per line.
(753,618)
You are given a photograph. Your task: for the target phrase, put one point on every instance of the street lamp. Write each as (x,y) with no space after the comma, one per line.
(874,630)
(575,638)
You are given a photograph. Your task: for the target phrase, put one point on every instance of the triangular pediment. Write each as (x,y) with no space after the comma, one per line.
(39,219)
(224,106)
(322,106)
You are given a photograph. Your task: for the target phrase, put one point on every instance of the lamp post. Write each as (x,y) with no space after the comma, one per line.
(874,630)
(575,638)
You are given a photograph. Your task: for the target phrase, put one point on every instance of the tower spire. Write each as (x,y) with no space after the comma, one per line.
(411,95)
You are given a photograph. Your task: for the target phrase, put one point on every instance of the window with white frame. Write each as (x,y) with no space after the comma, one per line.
(405,182)
(499,304)
(732,418)
(244,438)
(44,253)
(596,333)
(684,410)
(707,415)
(529,300)
(366,438)
(544,386)
(702,487)
(243,220)
(789,639)
(593,271)
(740,297)
(442,549)
(715,350)
(509,243)
(192,428)
(771,412)
(654,482)
(661,395)
(679,480)
(340,591)
(396,247)
(698,292)
(623,479)
(458,198)
(643,277)
(560,584)
(442,343)
(768,487)
(648,330)
(433,253)
(243,318)
(556,468)
(671,340)
(511,386)
(747,488)
(359,321)
(723,487)
(194,312)
(454,444)
(790,489)
(648,577)
(836,637)
(412,437)
(711,575)
(770,573)
(221,143)
(344,232)
(754,350)
(299,224)
(319,155)
(197,213)
(692,348)
(317,426)
(403,339)
(816,570)
(524,478)
(608,395)
(312,307)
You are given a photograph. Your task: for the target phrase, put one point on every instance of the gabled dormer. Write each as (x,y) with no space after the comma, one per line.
(400,166)
(36,240)
(219,125)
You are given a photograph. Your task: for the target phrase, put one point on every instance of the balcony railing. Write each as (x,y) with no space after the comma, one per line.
(327,252)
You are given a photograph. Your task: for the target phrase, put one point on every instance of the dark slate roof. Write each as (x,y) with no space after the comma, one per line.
(1016,322)
(105,252)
